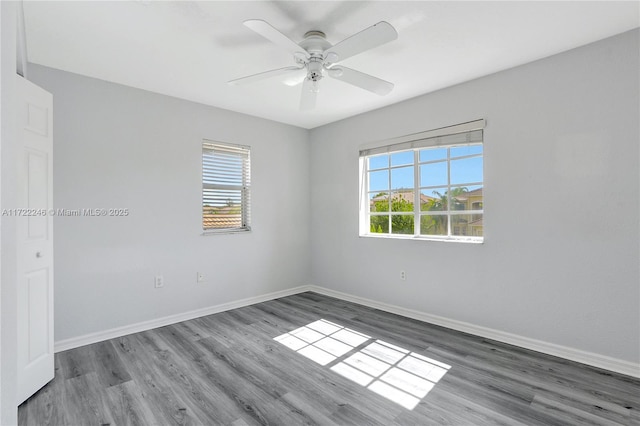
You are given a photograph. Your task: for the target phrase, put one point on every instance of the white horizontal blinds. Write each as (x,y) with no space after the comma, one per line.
(226,184)
(445,140)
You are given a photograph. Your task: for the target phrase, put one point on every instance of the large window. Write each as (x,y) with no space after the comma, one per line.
(429,187)
(226,187)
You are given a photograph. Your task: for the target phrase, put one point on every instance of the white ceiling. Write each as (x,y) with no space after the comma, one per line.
(191,49)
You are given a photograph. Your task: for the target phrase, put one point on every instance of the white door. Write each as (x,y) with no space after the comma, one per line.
(35,238)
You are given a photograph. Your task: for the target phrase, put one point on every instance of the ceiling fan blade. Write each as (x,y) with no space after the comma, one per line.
(263,75)
(295,79)
(270,33)
(309,95)
(374,36)
(362,80)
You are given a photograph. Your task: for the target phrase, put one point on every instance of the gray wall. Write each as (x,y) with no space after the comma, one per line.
(560,259)
(121,147)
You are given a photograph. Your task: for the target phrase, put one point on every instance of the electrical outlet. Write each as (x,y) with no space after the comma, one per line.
(159,281)
(403,275)
(199,277)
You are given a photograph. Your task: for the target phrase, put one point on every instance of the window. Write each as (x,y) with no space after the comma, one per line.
(425,187)
(226,187)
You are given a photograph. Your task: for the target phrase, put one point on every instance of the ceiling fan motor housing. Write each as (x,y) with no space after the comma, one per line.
(315,44)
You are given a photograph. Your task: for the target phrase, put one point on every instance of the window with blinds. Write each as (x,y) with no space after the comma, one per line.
(425,186)
(226,187)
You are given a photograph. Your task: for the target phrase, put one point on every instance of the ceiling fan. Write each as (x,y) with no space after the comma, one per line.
(316,58)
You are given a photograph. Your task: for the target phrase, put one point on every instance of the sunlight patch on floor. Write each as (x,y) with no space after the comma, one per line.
(322,341)
(393,372)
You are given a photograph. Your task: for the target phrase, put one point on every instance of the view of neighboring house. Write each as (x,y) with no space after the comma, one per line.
(470,200)
(221,217)
(461,201)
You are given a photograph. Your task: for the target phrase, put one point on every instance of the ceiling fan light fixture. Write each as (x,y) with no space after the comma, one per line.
(315,87)
(314,69)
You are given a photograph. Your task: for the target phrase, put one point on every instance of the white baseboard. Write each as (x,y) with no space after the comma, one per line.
(589,358)
(100,336)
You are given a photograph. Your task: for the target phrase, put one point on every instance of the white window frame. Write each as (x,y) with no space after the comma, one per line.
(227,184)
(464,134)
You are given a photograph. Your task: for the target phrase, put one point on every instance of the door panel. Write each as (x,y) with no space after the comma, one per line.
(38,290)
(37,177)
(35,239)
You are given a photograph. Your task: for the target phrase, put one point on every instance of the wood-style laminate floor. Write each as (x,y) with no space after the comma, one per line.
(332,362)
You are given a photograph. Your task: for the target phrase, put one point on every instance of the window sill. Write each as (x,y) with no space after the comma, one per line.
(466,240)
(210,232)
